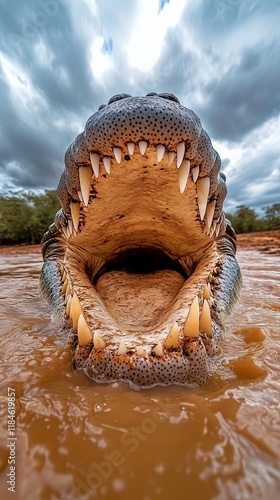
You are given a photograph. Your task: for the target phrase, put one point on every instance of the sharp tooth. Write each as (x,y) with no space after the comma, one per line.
(75,310)
(65,285)
(143,147)
(64,275)
(183,173)
(107,164)
(98,342)
(202,187)
(191,326)
(68,290)
(81,197)
(131,147)
(64,230)
(70,227)
(171,157)
(140,351)
(172,339)
(75,213)
(213,227)
(85,174)
(68,305)
(206,292)
(118,154)
(195,173)
(158,350)
(217,229)
(84,333)
(160,150)
(180,153)
(209,215)
(94,158)
(205,319)
(122,349)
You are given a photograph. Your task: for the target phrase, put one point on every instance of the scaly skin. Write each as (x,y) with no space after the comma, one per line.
(139,264)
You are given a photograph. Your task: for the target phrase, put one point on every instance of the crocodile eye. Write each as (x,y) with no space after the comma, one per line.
(170,97)
(118,97)
(223,176)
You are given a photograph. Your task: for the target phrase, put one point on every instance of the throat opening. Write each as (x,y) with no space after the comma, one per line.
(139,288)
(141,261)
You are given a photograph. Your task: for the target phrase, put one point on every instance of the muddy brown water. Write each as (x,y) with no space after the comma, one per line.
(79,440)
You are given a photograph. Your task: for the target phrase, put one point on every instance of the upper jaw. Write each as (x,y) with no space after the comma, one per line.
(140,192)
(133,133)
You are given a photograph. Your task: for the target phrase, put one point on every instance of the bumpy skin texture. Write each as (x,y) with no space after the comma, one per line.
(139,264)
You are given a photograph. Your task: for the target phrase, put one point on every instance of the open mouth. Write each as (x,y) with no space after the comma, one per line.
(142,245)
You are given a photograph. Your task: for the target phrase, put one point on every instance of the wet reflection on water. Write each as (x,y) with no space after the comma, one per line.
(77,439)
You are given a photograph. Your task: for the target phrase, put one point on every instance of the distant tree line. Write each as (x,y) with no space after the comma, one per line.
(24,218)
(246,220)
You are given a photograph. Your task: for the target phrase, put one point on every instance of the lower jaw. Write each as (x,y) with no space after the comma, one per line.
(132,323)
(173,368)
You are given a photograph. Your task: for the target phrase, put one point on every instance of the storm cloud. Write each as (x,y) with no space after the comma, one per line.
(61,59)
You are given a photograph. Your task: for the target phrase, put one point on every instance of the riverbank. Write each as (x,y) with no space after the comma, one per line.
(265,241)
(19,249)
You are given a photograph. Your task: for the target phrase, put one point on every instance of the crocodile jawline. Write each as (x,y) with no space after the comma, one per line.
(140,261)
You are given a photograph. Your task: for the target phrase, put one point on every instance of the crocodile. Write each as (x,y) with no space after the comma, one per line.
(139,264)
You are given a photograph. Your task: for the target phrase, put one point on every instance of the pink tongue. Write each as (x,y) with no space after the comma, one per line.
(139,301)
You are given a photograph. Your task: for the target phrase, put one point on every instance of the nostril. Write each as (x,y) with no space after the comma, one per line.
(118,97)
(169,97)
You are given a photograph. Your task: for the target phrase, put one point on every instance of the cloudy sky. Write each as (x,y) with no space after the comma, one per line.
(61,59)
